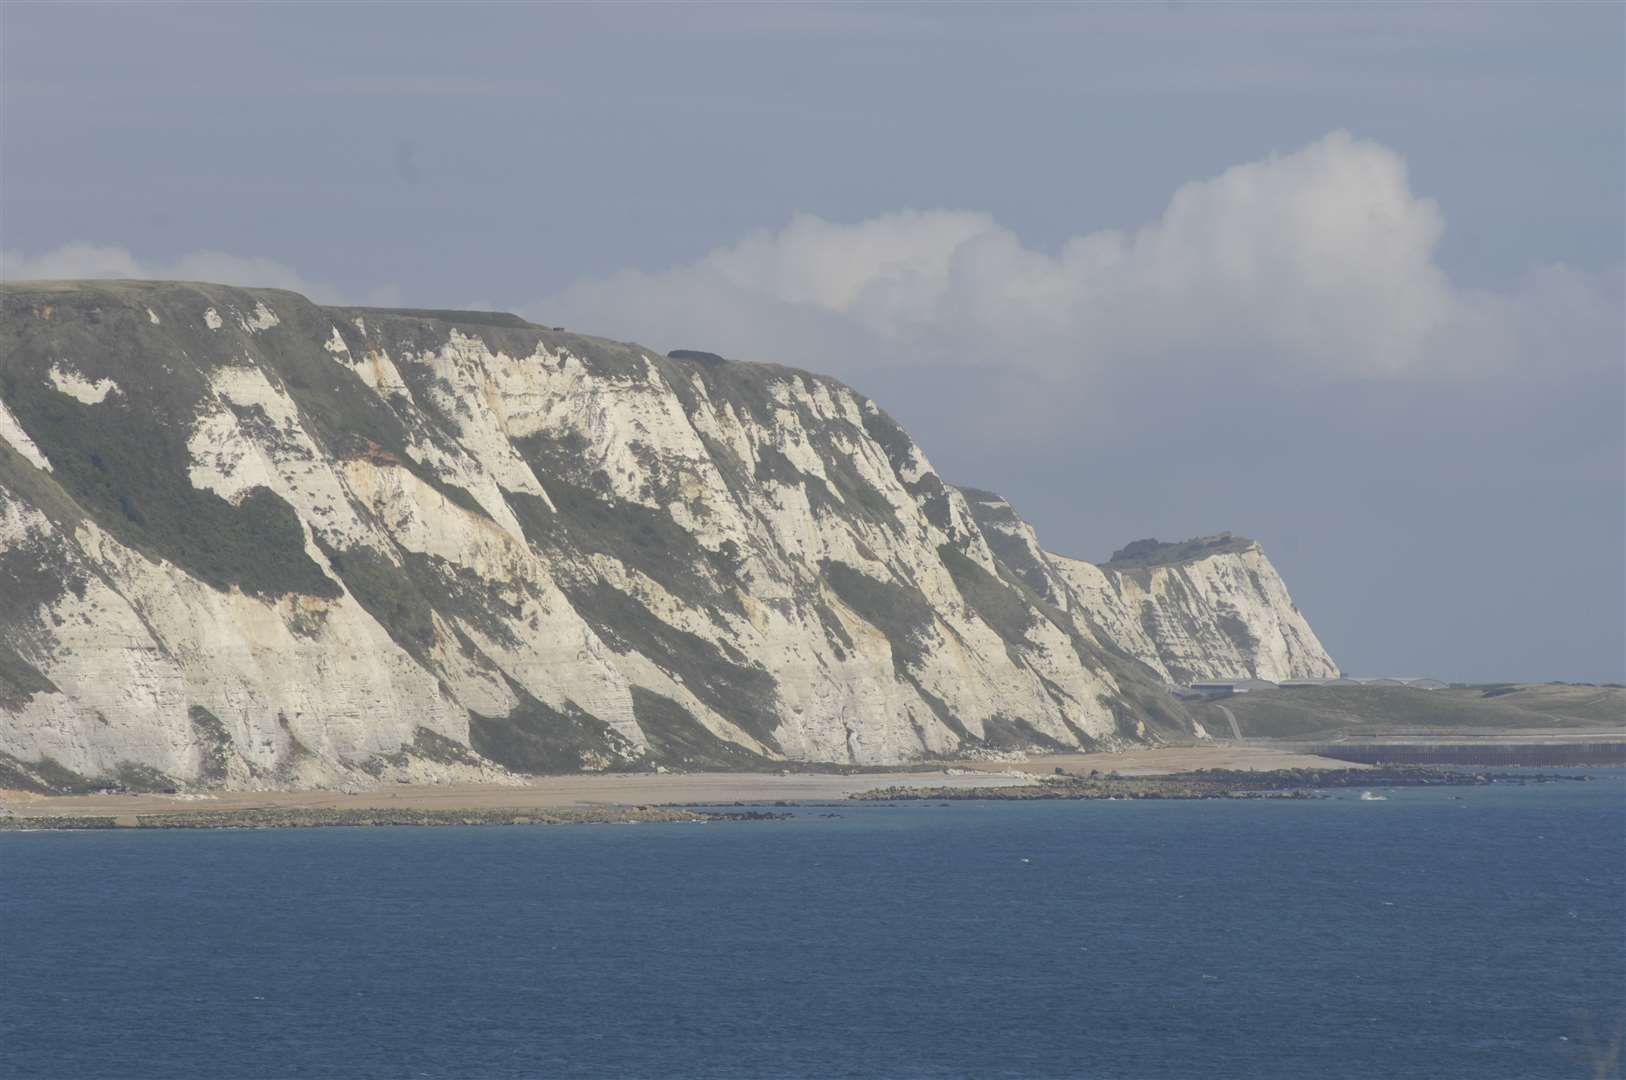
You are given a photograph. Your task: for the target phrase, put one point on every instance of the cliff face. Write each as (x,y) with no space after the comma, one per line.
(1221,615)
(250,541)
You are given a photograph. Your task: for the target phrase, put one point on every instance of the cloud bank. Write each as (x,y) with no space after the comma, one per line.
(1319,263)
(1314,265)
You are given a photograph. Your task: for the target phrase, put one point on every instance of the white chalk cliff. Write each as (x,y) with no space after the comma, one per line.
(249,541)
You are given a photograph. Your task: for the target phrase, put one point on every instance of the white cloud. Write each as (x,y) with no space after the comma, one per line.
(1315,263)
(111,261)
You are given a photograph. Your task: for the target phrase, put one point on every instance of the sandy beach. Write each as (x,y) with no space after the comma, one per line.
(666,789)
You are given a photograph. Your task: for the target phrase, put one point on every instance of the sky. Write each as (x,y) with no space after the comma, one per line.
(1345,279)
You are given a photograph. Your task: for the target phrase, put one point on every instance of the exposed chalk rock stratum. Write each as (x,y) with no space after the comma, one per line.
(249,541)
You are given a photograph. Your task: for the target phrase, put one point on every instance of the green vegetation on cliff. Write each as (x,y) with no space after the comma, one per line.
(1149,552)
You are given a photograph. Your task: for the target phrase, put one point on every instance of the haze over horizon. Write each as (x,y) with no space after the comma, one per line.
(1346,280)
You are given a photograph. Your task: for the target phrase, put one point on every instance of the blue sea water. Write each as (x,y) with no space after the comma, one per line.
(1467,933)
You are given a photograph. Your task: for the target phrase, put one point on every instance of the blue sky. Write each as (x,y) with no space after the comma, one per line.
(1347,279)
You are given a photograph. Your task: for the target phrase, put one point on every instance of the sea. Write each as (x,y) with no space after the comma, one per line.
(1469,932)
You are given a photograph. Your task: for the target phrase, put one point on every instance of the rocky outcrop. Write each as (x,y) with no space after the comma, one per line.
(246,540)
(1209,608)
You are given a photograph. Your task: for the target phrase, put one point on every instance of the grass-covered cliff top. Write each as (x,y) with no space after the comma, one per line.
(1151,552)
(456,317)
(1343,710)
